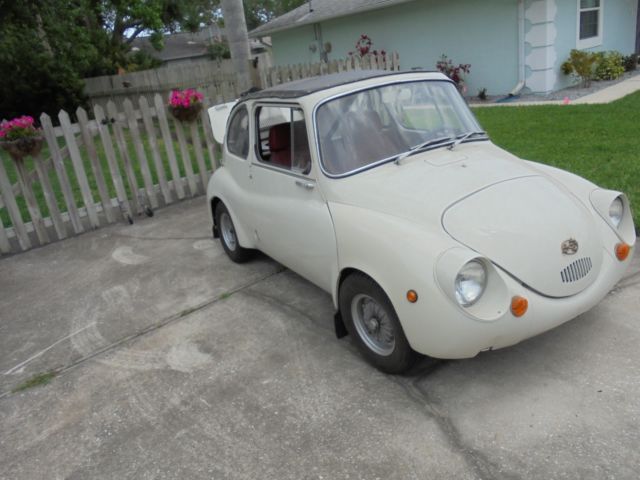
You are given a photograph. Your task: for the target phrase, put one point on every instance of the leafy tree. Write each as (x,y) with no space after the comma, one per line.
(47,47)
(43,47)
(116,23)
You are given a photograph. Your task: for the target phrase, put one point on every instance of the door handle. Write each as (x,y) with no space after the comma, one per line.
(305,185)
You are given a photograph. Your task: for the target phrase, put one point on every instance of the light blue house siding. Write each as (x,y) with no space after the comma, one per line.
(503,40)
(421,32)
(618,32)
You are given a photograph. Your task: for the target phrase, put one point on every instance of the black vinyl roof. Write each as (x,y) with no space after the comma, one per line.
(306,86)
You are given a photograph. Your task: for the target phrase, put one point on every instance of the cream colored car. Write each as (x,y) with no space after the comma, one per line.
(383,190)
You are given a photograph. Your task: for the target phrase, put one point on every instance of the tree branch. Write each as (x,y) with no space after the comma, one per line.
(135,33)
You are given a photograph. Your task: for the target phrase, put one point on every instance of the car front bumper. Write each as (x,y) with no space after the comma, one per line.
(446,330)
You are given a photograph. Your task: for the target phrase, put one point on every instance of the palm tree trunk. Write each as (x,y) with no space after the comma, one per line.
(236,31)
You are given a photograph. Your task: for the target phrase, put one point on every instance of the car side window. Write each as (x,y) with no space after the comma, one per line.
(238,133)
(282,138)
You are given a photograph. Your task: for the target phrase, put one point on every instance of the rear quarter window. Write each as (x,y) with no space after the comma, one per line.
(238,133)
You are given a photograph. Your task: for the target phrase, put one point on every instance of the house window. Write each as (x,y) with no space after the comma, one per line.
(590,14)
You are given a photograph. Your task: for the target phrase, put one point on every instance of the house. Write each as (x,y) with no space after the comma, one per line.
(184,48)
(511,44)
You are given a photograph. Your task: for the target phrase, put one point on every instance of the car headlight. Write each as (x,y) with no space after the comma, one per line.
(616,210)
(470,283)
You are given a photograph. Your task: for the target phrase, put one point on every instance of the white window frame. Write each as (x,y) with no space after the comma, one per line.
(592,41)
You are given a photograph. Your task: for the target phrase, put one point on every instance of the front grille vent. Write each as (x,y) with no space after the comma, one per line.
(576,270)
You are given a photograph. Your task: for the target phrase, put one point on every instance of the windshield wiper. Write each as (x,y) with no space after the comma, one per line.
(464,137)
(421,146)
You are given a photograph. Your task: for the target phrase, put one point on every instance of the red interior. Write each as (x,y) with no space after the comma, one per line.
(280,144)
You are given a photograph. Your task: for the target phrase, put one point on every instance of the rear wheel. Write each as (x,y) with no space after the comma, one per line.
(373,324)
(228,237)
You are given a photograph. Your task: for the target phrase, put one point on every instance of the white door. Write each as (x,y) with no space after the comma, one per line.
(290,216)
(236,160)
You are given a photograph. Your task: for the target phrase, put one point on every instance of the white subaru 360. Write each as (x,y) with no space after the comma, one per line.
(383,190)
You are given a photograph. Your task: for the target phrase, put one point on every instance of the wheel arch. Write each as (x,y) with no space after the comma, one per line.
(344,273)
(213,203)
(340,328)
(244,239)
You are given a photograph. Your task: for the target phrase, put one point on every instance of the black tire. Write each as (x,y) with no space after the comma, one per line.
(231,245)
(363,290)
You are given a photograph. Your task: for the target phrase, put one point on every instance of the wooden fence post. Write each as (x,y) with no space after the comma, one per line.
(254,73)
(186,158)
(63,178)
(124,155)
(114,170)
(78,166)
(197,147)
(168,145)
(12,207)
(140,153)
(32,203)
(50,197)
(147,119)
(5,246)
(87,137)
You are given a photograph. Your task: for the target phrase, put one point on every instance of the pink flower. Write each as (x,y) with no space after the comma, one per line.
(185,98)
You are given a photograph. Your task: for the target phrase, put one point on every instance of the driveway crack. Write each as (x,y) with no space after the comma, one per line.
(476,460)
(156,326)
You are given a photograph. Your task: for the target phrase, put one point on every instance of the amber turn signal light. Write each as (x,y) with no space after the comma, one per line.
(412,296)
(622,251)
(519,306)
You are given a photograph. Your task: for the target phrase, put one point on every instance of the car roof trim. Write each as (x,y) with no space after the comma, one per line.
(307,86)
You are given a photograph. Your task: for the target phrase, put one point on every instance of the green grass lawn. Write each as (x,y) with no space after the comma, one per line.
(598,142)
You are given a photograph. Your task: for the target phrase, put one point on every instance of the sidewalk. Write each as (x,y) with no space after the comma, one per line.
(606,95)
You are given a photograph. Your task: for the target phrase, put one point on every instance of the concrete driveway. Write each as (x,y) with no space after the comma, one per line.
(175,363)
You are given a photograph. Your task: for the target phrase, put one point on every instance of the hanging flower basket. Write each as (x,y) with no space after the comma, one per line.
(185,105)
(186,114)
(20,148)
(20,137)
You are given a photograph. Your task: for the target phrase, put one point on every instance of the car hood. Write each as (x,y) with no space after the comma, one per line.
(492,202)
(425,184)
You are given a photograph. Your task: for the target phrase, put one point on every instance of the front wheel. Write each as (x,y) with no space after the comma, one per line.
(373,324)
(228,237)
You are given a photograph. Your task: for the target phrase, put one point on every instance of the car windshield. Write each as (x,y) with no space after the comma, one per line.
(368,127)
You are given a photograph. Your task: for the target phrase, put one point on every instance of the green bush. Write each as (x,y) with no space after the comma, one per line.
(631,62)
(610,65)
(581,64)
(219,50)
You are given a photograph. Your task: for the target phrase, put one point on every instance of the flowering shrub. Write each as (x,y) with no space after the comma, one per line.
(185,98)
(581,65)
(363,48)
(610,65)
(455,73)
(21,127)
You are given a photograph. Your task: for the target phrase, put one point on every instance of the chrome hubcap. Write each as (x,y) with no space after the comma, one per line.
(228,232)
(373,324)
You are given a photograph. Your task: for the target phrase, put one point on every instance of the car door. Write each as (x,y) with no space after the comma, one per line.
(290,215)
(236,160)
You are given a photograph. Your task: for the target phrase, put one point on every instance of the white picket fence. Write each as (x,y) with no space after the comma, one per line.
(128,160)
(137,159)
